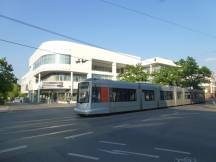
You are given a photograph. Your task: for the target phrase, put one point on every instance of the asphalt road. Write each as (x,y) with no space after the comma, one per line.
(178,134)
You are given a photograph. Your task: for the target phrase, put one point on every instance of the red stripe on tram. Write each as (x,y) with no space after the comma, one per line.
(104,94)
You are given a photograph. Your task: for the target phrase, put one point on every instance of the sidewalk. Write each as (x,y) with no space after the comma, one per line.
(24,106)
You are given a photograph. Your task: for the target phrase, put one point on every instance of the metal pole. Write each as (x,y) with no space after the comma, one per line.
(71,85)
(39,82)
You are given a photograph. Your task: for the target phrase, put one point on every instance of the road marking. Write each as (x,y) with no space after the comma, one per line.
(36,120)
(171,150)
(162,118)
(48,134)
(32,124)
(137,153)
(83,156)
(13,149)
(114,143)
(137,125)
(78,135)
(120,126)
(50,127)
(112,152)
(179,114)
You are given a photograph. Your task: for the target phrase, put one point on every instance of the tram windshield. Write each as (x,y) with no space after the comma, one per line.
(83,92)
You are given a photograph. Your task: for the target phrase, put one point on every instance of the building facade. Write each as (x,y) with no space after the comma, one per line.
(56,67)
(154,64)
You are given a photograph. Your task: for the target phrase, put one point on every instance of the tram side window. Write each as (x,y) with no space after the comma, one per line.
(187,95)
(201,95)
(179,95)
(122,95)
(95,94)
(149,95)
(166,95)
(195,96)
(99,94)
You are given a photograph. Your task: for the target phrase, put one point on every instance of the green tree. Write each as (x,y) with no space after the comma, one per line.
(134,73)
(187,74)
(167,76)
(192,75)
(15,92)
(7,79)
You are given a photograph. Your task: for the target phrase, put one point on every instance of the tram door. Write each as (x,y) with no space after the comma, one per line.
(149,98)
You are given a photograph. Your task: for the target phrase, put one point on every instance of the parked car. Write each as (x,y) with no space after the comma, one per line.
(18,100)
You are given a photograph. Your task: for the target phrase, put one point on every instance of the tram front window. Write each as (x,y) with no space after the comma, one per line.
(83,92)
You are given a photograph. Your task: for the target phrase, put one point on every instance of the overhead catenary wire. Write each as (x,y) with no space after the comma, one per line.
(115,5)
(36,48)
(54,33)
(49,31)
(173,23)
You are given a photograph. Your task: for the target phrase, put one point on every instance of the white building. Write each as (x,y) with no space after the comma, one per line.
(56,67)
(210,87)
(154,64)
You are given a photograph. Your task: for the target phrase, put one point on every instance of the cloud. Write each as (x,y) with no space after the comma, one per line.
(210,59)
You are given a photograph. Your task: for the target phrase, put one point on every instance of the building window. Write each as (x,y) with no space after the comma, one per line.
(63,59)
(149,95)
(79,77)
(122,95)
(99,76)
(166,95)
(52,59)
(99,65)
(64,77)
(56,77)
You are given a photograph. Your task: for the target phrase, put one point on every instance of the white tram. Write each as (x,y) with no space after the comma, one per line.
(97,96)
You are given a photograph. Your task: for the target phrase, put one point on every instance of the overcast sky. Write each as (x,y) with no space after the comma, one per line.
(113,28)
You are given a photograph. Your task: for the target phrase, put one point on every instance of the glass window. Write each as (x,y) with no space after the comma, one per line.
(83,92)
(99,65)
(95,94)
(179,95)
(148,95)
(166,95)
(99,76)
(52,59)
(56,77)
(79,77)
(100,94)
(120,70)
(63,59)
(122,95)
(187,95)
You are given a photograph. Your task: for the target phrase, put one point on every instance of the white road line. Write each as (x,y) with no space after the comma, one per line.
(32,124)
(36,120)
(171,150)
(137,153)
(30,130)
(162,118)
(48,134)
(120,126)
(113,143)
(112,152)
(13,149)
(84,156)
(179,114)
(78,135)
(188,113)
